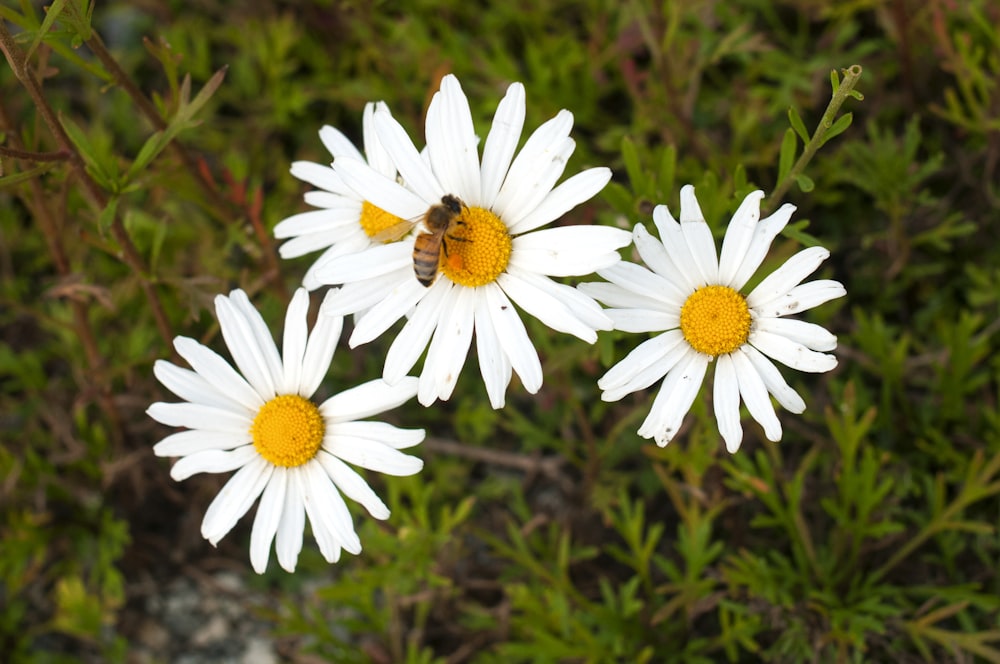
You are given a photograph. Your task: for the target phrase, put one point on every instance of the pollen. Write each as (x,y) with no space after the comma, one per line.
(379,224)
(715,320)
(476,249)
(288,430)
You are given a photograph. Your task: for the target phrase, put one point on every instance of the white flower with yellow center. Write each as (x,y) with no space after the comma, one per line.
(696,299)
(345,223)
(288,450)
(495,257)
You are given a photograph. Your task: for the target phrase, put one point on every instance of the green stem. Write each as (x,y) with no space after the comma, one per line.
(851,76)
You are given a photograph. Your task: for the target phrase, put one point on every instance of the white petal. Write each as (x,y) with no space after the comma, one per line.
(643,320)
(213,462)
(655,256)
(315,221)
(698,237)
(319,175)
(501,142)
(494,364)
(765,232)
(739,236)
(614,295)
(412,340)
(569,250)
(775,384)
(372,454)
(377,260)
(366,399)
(240,334)
(394,305)
(352,245)
(755,396)
(802,298)
(726,398)
(184,443)
(235,498)
(354,239)
(449,347)
(452,145)
(331,521)
(647,363)
(213,368)
(513,338)
(196,416)
(353,485)
(375,152)
(639,280)
(191,387)
(362,295)
(319,351)
(293,344)
(381,190)
(416,173)
(810,335)
(537,299)
(337,144)
(791,354)
(687,273)
(381,431)
(288,543)
(788,276)
(674,399)
(530,177)
(265,524)
(575,190)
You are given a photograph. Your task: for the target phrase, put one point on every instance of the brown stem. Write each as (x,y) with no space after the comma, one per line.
(98,198)
(81,324)
(26,155)
(224,209)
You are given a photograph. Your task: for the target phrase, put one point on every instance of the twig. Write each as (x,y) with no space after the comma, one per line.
(95,194)
(844,90)
(88,340)
(26,155)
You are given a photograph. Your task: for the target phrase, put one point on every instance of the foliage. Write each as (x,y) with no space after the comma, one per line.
(144,154)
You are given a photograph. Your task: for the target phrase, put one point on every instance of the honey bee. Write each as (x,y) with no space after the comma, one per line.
(440,220)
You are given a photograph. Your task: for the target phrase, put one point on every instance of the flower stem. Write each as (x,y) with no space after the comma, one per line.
(846,89)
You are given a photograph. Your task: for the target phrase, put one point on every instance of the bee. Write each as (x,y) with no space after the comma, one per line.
(440,221)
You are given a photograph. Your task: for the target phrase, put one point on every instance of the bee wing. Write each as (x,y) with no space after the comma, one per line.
(395,232)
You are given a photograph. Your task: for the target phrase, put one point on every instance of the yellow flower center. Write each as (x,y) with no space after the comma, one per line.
(288,430)
(477,248)
(715,320)
(379,224)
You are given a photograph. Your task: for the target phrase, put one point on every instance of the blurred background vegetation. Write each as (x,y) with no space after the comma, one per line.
(144,155)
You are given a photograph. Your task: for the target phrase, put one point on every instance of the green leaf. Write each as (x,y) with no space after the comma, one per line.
(51,14)
(805,182)
(640,183)
(837,128)
(797,124)
(786,156)
(23,176)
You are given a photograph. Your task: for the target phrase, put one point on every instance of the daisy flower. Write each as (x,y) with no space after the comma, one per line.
(287,450)
(344,222)
(493,256)
(695,298)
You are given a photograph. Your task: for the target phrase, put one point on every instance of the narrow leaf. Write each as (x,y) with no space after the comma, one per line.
(838,127)
(797,124)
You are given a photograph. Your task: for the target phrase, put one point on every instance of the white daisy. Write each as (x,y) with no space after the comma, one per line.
(344,222)
(496,257)
(695,299)
(288,450)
